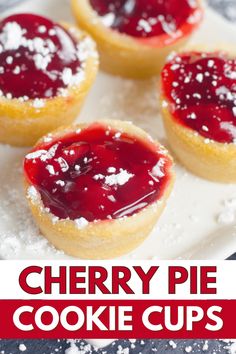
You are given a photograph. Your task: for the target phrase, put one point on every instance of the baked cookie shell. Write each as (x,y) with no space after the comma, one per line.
(100,239)
(21,124)
(208,159)
(123,55)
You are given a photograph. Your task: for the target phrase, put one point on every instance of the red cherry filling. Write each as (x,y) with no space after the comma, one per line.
(202,90)
(38,57)
(146,18)
(97,174)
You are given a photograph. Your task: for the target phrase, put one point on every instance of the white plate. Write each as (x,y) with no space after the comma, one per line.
(188,227)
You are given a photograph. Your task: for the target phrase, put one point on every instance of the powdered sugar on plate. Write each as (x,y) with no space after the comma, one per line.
(18,233)
(228,214)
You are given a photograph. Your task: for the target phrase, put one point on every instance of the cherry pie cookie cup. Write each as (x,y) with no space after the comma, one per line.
(46,71)
(135,37)
(199,111)
(97,190)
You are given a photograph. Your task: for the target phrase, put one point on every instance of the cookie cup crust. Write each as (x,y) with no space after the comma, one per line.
(208,159)
(100,239)
(122,55)
(21,124)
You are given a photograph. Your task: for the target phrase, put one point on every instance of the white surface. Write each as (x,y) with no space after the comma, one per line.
(188,227)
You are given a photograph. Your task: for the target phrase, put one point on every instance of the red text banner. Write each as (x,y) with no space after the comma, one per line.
(117,319)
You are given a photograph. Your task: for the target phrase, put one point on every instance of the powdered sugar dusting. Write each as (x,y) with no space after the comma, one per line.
(127,346)
(115,179)
(231,345)
(81,223)
(22,347)
(33,195)
(11,36)
(73,349)
(151,346)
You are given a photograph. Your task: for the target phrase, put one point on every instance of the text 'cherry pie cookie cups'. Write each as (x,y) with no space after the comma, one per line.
(97,190)
(133,51)
(63,63)
(198,104)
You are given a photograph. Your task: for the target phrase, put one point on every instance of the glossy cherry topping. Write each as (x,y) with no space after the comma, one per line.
(38,58)
(97,173)
(147,18)
(202,90)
